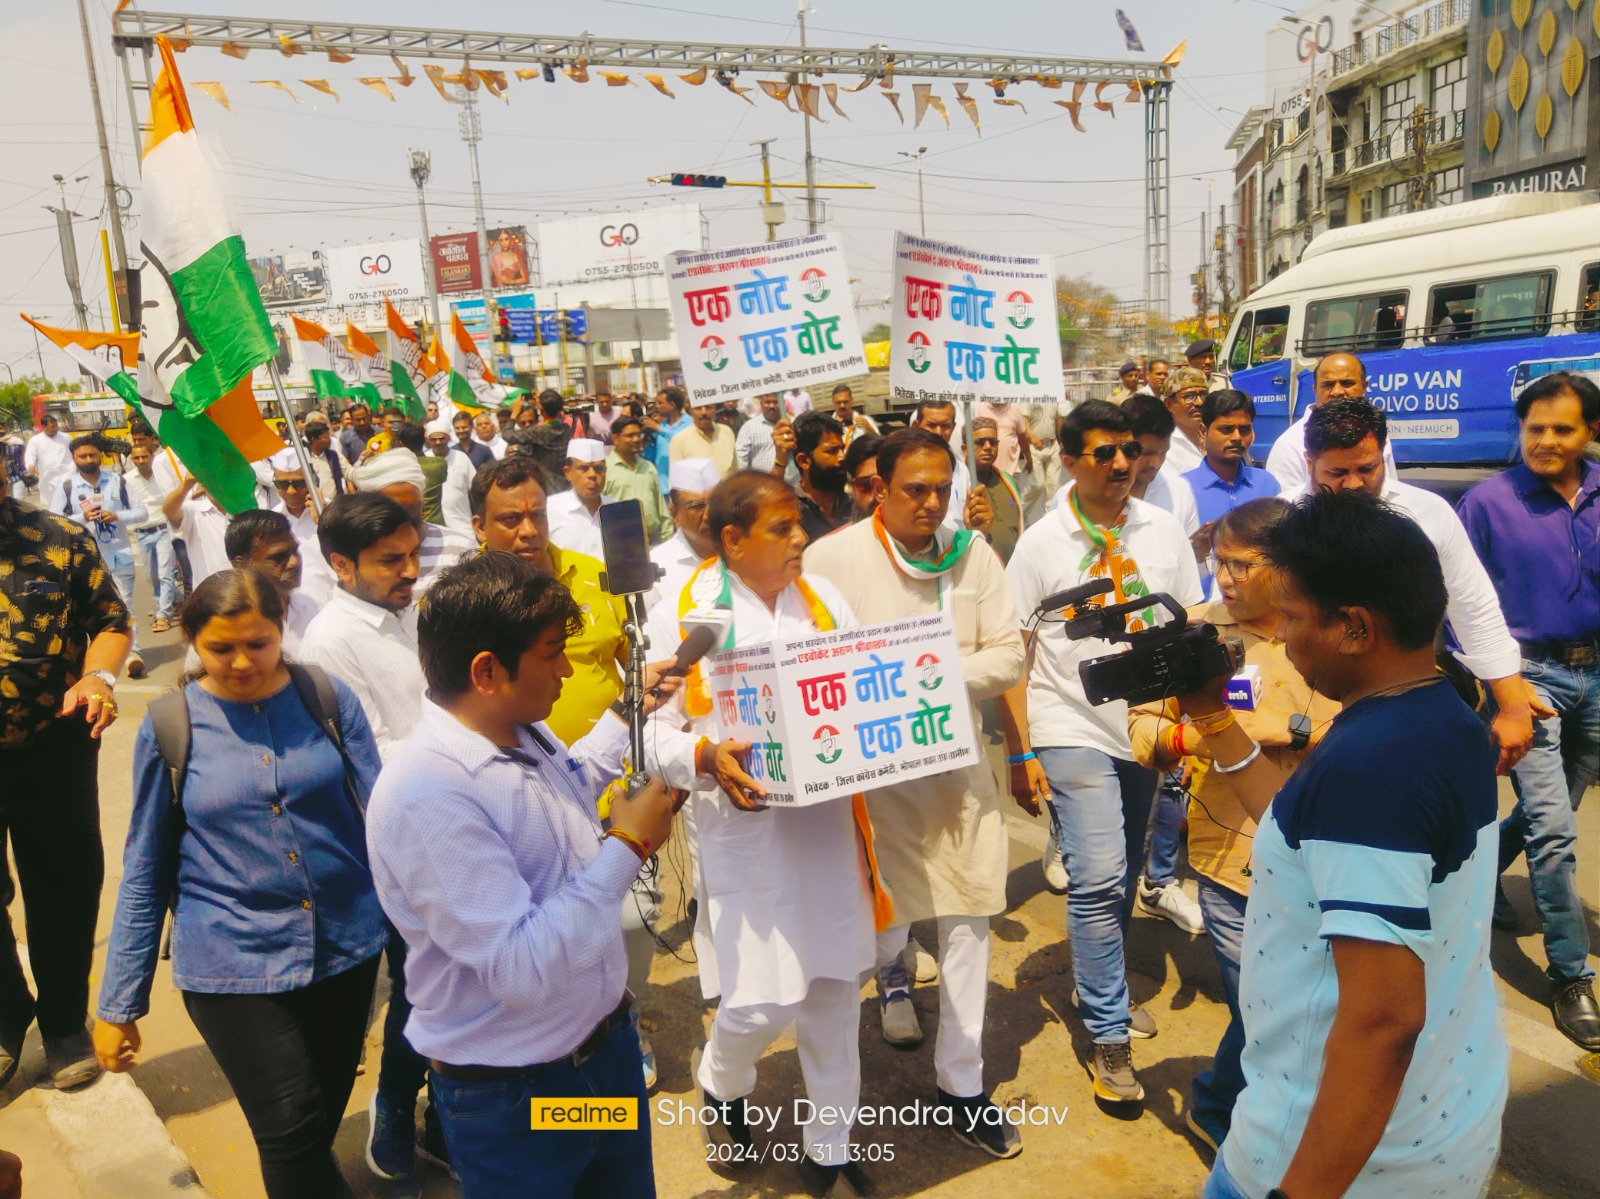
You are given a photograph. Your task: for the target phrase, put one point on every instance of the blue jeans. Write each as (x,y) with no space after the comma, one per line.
(120,564)
(1221,1184)
(402,1071)
(1099,806)
(499,1157)
(153,547)
(1549,782)
(1214,1092)
(1166,832)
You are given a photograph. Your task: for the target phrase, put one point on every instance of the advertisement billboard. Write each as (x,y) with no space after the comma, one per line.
(617,245)
(365,274)
(457,265)
(293,277)
(508,256)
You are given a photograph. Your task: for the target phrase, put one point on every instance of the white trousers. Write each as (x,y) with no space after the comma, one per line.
(963,994)
(826,1023)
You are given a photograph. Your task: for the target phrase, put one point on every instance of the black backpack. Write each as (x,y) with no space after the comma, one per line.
(170,722)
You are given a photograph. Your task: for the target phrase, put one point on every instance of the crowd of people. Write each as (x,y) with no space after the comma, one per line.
(400,744)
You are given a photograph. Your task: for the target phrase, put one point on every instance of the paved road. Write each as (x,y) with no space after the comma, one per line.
(1035,1048)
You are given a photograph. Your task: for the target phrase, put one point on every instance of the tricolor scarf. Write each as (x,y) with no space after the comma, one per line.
(717,587)
(940,569)
(1107,560)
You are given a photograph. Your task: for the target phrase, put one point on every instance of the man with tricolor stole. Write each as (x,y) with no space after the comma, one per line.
(1074,755)
(788,897)
(941,841)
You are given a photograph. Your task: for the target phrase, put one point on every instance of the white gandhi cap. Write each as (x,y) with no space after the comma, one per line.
(698,476)
(584,449)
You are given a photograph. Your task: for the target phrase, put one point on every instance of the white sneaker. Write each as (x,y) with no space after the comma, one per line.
(920,963)
(1055,870)
(900,1025)
(1174,903)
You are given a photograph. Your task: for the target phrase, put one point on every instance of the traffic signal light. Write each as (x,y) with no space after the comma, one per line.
(505,324)
(684,180)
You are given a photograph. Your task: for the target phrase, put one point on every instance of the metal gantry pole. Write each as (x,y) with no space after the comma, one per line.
(811,162)
(113,209)
(1157,210)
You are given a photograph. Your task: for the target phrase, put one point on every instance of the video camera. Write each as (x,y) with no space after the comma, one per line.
(1161,661)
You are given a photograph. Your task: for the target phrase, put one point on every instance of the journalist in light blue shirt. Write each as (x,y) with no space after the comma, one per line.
(490,860)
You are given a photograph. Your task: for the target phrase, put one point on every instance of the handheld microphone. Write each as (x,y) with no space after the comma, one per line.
(695,646)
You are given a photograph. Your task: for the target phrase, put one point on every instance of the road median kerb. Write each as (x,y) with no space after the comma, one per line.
(115,1143)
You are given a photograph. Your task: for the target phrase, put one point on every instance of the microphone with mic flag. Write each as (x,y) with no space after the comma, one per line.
(630,573)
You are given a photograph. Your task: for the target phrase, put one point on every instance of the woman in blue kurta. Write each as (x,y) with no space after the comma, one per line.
(277,930)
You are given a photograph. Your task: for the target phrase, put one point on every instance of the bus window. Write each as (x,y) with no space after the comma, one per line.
(1239,354)
(1270,334)
(1370,322)
(1589,299)
(1510,306)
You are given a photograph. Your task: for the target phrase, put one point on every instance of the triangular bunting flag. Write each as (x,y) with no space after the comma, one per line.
(281,87)
(660,84)
(778,91)
(214,90)
(831,90)
(805,95)
(405,78)
(968,106)
(321,85)
(694,78)
(376,83)
(894,98)
(1013,104)
(286,46)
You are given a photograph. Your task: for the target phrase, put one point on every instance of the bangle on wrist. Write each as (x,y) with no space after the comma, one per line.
(1177,741)
(1019,759)
(1255,752)
(1212,724)
(641,848)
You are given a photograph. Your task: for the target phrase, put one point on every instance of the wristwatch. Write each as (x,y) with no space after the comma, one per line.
(105,676)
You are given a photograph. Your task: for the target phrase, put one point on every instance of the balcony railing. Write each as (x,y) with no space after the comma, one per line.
(1438,130)
(1397,35)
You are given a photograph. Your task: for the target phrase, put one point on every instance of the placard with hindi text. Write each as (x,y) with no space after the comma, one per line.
(763,318)
(967,325)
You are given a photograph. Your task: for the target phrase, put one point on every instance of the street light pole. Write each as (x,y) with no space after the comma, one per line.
(69,249)
(113,208)
(421,165)
(922,215)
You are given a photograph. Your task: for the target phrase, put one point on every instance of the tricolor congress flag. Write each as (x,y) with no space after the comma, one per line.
(408,367)
(472,388)
(373,365)
(215,447)
(335,372)
(204,329)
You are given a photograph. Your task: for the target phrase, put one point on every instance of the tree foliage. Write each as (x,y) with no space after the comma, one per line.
(16,408)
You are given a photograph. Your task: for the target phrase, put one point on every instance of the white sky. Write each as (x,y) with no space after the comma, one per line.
(327,173)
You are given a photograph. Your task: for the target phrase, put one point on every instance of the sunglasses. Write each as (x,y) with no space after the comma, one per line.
(985,441)
(1105,455)
(286,484)
(863,482)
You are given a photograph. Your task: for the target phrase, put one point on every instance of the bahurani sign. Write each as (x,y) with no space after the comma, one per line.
(365,274)
(849,710)
(761,318)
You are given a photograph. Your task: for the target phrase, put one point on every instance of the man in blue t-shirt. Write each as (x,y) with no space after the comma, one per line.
(1374,1061)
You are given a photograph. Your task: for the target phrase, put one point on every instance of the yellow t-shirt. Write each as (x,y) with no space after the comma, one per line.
(596,681)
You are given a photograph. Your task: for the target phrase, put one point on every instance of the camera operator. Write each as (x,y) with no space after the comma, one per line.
(1373,871)
(490,860)
(1286,717)
(1075,755)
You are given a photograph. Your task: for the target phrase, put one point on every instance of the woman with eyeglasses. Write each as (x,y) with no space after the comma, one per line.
(1286,718)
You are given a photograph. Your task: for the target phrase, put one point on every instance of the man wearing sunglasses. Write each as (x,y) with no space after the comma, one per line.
(1076,756)
(293,495)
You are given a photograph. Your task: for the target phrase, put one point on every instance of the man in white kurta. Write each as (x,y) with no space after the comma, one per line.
(941,842)
(784,931)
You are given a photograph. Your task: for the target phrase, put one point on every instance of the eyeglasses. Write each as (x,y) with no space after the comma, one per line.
(286,484)
(1105,455)
(1239,568)
(1189,397)
(863,482)
(985,441)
